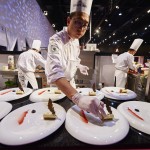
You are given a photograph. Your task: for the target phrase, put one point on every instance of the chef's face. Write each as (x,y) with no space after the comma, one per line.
(77,25)
(133,52)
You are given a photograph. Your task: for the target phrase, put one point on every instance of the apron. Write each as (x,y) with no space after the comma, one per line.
(121,78)
(25,77)
(70,71)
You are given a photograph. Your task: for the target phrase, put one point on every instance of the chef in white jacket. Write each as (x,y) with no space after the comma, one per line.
(27,63)
(63,57)
(125,62)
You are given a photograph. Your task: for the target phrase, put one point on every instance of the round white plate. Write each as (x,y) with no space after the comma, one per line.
(11,95)
(33,128)
(113,93)
(144,113)
(48,93)
(93,132)
(5,108)
(85,91)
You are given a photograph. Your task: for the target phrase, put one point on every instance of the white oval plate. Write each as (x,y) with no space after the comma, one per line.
(85,91)
(33,128)
(48,93)
(5,108)
(144,113)
(10,96)
(116,95)
(92,132)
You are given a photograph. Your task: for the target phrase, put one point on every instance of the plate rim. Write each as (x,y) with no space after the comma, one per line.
(136,124)
(21,96)
(6,142)
(121,99)
(93,143)
(39,99)
(9,105)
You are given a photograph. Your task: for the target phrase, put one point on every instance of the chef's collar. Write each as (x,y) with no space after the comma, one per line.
(69,38)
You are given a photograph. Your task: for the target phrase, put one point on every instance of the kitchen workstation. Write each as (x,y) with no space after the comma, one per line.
(78,79)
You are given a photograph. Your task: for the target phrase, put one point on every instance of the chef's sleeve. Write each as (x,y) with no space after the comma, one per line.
(131,62)
(40,60)
(54,69)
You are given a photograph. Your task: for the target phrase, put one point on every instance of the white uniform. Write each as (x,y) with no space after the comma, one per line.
(123,63)
(27,63)
(62,58)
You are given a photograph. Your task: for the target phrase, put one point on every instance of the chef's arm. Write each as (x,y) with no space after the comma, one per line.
(130,63)
(87,103)
(40,60)
(65,87)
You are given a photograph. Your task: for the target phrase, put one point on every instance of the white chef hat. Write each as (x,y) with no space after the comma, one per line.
(81,6)
(136,44)
(36,44)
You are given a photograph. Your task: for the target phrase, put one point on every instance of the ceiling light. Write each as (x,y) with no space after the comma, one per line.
(110,24)
(117,7)
(45,13)
(120,14)
(117,50)
(148,11)
(97,31)
(53,25)
(136,19)
(106,20)
(145,28)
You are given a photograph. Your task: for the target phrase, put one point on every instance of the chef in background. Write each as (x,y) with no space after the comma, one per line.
(63,57)
(27,63)
(124,62)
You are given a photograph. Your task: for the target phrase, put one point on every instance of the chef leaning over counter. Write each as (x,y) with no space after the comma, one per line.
(27,63)
(125,62)
(63,57)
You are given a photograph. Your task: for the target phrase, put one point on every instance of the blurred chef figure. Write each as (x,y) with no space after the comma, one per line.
(27,63)
(124,62)
(63,57)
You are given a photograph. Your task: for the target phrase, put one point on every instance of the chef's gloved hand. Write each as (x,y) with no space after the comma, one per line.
(89,104)
(83,69)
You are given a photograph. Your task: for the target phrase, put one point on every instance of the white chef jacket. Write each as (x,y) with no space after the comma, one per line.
(27,63)
(63,57)
(29,60)
(123,63)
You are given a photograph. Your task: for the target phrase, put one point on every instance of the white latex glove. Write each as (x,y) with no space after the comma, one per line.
(83,69)
(89,104)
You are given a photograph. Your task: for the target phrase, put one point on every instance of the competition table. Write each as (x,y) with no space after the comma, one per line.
(61,139)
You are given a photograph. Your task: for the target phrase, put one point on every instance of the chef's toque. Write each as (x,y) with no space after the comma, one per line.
(81,6)
(36,44)
(136,44)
